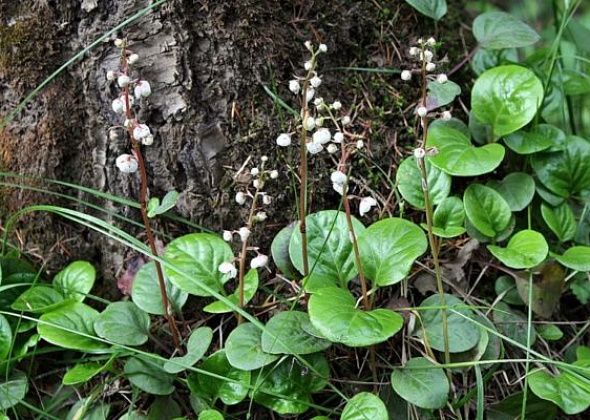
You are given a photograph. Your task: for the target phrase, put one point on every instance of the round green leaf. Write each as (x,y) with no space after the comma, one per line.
(499,30)
(540,137)
(210,415)
(332,312)
(549,332)
(507,285)
(76,280)
(485,59)
(512,324)
(5,338)
(328,245)
(145,291)
(560,220)
(441,94)
(462,333)
(577,258)
(422,383)
(148,375)
(525,249)
(123,323)
(82,372)
(409,183)
(198,256)
(388,248)
(516,188)
(280,252)
(567,172)
(13,390)
(286,333)
(448,218)
(364,406)
(456,155)
(38,299)
(244,348)
(434,9)
(250,288)
(506,98)
(71,326)
(486,210)
(197,346)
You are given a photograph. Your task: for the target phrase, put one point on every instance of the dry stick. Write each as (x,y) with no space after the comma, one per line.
(143,209)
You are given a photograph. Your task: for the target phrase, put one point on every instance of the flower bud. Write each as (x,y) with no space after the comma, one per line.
(284,140)
(111,75)
(360,144)
(260,216)
(254,171)
(315,81)
(142,89)
(141,131)
(307,65)
(346,120)
(309,94)
(259,261)
(406,75)
(323,48)
(240,198)
(321,136)
(148,140)
(294,86)
(430,67)
(119,43)
(274,174)
(419,153)
(366,204)
(118,106)
(338,177)
(421,111)
(123,80)
(266,199)
(442,78)
(228,268)
(126,163)
(314,148)
(244,233)
(336,105)
(332,148)
(309,123)
(338,137)
(227,236)
(414,51)
(431,42)
(133,58)
(446,115)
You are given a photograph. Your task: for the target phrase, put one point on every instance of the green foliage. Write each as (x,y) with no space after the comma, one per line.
(448,218)
(499,30)
(146,293)
(290,333)
(577,258)
(250,288)
(148,375)
(409,183)
(123,323)
(517,189)
(422,383)
(168,202)
(364,406)
(196,347)
(560,220)
(13,390)
(525,249)
(486,210)
(538,138)
(434,9)
(76,280)
(244,348)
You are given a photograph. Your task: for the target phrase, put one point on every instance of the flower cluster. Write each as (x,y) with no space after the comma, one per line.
(128,163)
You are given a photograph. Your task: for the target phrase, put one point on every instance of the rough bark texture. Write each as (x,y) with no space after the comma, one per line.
(207,62)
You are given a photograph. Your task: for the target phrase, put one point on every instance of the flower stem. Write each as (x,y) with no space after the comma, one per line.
(303,177)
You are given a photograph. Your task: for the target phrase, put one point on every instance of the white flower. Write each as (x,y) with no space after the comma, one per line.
(118,106)
(360,144)
(240,198)
(227,235)
(259,261)
(228,268)
(318,101)
(332,148)
(366,204)
(338,177)
(274,174)
(430,67)
(406,75)
(118,43)
(254,171)
(323,48)
(142,89)
(420,41)
(111,75)
(309,94)
(421,111)
(315,81)
(244,233)
(284,140)
(319,121)
(446,115)
(414,51)
(126,164)
(263,158)
(307,65)
(339,188)
(419,153)
(266,199)
(148,140)
(338,137)
(314,148)
(257,183)
(321,136)
(442,78)
(308,45)
(260,216)
(346,120)
(336,105)
(431,42)
(141,131)
(123,80)
(294,86)
(133,58)
(309,123)
(128,123)
(427,56)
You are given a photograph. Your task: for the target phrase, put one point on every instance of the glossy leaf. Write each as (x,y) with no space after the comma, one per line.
(145,291)
(332,312)
(13,390)
(560,220)
(422,383)
(280,252)
(244,348)
(286,333)
(5,338)
(168,202)
(577,258)
(507,98)
(517,188)
(409,183)
(250,288)
(196,347)
(76,280)
(149,376)
(484,59)
(441,94)
(434,9)
(123,323)
(499,30)
(198,256)
(38,299)
(486,209)
(456,155)
(525,249)
(364,405)
(538,138)
(82,373)
(448,218)
(210,415)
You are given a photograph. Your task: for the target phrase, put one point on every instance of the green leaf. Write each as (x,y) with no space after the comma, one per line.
(152,206)
(525,249)
(462,333)
(409,183)
(548,284)
(332,312)
(565,173)
(145,291)
(576,258)
(388,248)
(82,373)
(486,209)
(210,415)
(510,408)
(441,94)
(517,188)
(164,408)
(250,288)
(364,405)
(38,299)
(168,202)
(329,247)
(197,346)
(434,9)
(507,98)
(448,218)
(148,375)
(422,383)
(485,59)
(5,338)
(13,390)
(280,252)
(198,256)
(560,220)
(286,333)
(291,379)
(76,280)
(480,237)
(244,348)
(575,82)
(456,155)
(71,326)
(499,30)
(512,324)
(506,284)
(549,332)
(123,323)
(209,387)
(538,138)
